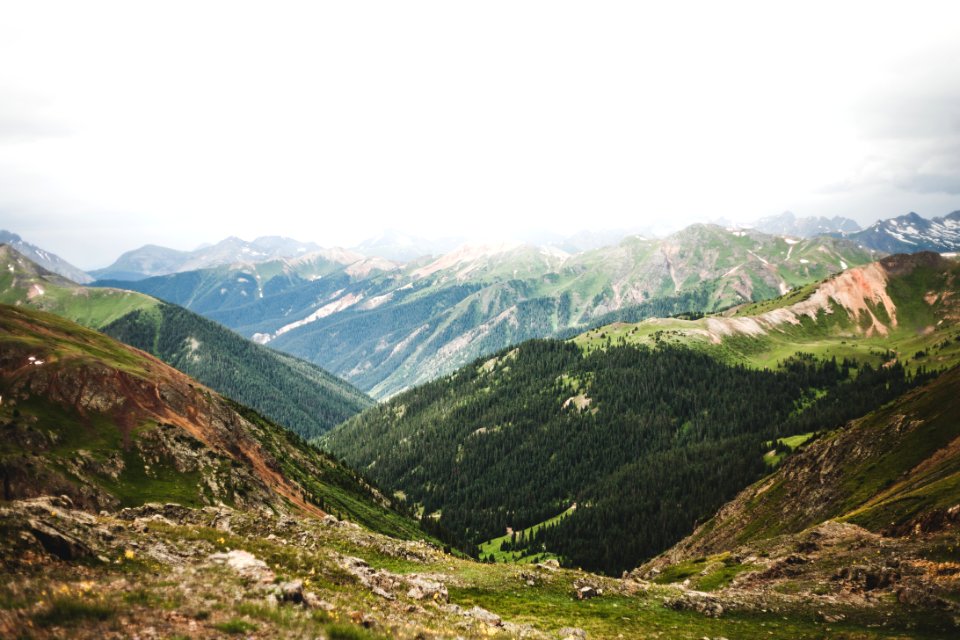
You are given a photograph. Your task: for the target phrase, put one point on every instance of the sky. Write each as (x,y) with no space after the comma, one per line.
(181,123)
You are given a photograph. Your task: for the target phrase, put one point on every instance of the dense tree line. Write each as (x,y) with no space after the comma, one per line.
(293,393)
(646,442)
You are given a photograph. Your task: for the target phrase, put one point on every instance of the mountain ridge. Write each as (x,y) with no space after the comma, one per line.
(152,260)
(45,259)
(393,328)
(298,394)
(910,233)
(788,224)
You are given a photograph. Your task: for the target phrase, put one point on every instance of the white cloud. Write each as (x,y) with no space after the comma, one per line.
(186,122)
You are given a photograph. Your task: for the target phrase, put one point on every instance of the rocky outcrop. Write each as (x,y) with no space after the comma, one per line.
(164,424)
(388,585)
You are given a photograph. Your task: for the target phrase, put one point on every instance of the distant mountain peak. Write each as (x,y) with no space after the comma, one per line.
(153,260)
(911,233)
(789,224)
(45,259)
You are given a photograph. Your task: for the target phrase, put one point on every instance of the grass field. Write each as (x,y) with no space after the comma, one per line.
(491,548)
(773,459)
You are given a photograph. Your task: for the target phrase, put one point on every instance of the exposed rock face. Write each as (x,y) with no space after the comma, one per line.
(62,545)
(168,421)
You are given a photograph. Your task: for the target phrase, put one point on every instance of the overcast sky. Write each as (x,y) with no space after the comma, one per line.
(181,123)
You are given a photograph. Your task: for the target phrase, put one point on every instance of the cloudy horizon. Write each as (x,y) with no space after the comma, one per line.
(185,123)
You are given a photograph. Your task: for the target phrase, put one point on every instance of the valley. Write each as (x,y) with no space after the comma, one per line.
(462,321)
(246,549)
(710,473)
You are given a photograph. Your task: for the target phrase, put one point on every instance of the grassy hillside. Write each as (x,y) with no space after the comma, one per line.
(24,282)
(904,307)
(110,426)
(513,546)
(169,574)
(295,393)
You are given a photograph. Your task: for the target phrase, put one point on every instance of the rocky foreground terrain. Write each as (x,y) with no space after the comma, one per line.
(167,571)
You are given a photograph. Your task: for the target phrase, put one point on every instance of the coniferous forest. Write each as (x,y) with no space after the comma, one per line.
(288,390)
(646,442)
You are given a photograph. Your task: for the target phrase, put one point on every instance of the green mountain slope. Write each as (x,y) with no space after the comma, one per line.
(866,512)
(905,307)
(651,427)
(386,328)
(110,426)
(24,282)
(646,442)
(894,471)
(295,393)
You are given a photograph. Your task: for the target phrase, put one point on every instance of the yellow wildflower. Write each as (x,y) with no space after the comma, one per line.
(129,554)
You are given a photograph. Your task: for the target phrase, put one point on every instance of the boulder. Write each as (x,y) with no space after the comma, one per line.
(422,588)
(291,591)
(696,601)
(483,615)
(585,593)
(62,545)
(246,564)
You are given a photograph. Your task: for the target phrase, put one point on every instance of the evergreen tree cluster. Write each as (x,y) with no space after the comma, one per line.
(291,392)
(647,442)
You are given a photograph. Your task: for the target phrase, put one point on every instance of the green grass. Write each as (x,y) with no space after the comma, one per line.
(773,459)
(235,626)
(68,611)
(645,616)
(722,576)
(91,307)
(681,571)
(491,548)
(135,486)
(350,632)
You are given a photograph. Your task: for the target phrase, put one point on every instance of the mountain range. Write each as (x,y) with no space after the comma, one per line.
(788,224)
(153,260)
(785,467)
(294,393)
(47,260)
(386,327)
(650,427)
(911,233)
